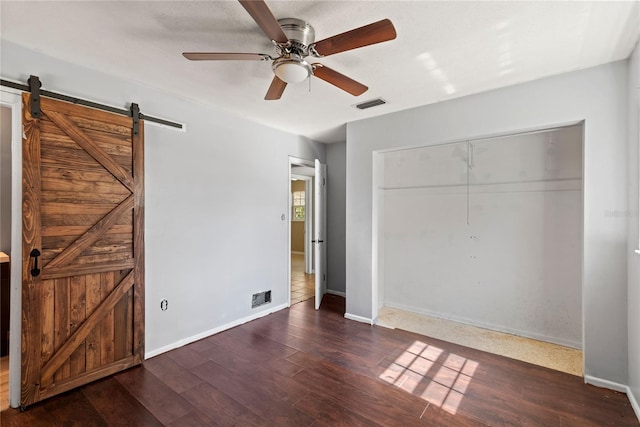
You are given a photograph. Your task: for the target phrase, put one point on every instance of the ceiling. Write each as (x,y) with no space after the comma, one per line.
(443,50)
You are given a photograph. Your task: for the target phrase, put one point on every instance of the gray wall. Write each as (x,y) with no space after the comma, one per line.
(200,209)
(5,180)
(633,303)
(336,219)
(597,95)
(487,233)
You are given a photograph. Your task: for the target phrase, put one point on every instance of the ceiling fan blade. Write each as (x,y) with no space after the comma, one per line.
(260,13)
(377,32)
(339,80)
(276,89)
(221,56)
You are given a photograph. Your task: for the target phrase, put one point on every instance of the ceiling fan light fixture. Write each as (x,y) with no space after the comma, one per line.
(294,40)
(292,69)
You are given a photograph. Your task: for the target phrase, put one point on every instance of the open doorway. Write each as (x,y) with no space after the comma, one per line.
(308,209)
(10,246)
(5,250)
(302,282)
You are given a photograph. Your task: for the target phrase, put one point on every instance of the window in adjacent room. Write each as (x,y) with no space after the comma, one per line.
(298,206)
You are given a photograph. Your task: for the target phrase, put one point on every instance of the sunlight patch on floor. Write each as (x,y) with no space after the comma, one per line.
(420,371)
(540,353)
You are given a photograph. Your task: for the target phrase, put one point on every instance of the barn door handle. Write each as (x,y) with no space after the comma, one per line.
(35,271)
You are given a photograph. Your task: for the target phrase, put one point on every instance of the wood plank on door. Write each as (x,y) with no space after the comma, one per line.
(83,192)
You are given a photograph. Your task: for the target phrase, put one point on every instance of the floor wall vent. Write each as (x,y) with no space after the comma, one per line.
(260,298)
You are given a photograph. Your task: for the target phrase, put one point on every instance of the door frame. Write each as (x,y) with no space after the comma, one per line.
(12,99)
(308,221)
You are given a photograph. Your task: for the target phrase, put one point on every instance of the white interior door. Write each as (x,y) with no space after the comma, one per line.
(320,222)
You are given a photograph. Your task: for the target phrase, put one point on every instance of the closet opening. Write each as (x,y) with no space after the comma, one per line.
(479,242)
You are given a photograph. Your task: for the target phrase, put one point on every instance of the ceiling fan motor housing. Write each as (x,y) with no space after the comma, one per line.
(301,35)
(290,66)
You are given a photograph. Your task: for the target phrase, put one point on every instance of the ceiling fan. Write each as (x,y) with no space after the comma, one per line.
(294,40)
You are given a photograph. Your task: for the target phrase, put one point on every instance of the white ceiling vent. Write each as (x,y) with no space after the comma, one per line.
(371,103)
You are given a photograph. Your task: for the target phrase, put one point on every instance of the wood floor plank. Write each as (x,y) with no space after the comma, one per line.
(177,377)
(257,344)
(360,400)
(255,396)
(165,404)
(221,408)
(303,367)
(376,389)
(4,383)
(68,409)
(15,418)
(240,357)
(316,405)
(188,356)
(441,418)
(116,405)
(194,418)
(605,407)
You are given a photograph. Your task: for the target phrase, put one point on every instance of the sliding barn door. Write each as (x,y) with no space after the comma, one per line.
(82,249)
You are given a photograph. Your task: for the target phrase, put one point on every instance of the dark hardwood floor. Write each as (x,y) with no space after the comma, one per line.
(300,367)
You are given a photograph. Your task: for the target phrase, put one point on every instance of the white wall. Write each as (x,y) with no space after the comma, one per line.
(336,220)
(209,190)
(488,233)
(633,234)
(5,180)
(597,95)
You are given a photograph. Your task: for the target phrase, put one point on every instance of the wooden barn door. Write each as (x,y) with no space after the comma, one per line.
(82,249)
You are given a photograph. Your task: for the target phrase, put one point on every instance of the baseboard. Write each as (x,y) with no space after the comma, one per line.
(634,402)
(339,293)
(599,382)
(490,326)
(358,318)
(213,331)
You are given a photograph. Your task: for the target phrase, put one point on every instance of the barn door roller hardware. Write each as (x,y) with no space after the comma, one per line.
(34,86)
(135,115)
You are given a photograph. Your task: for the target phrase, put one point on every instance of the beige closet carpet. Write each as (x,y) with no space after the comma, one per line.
(560,358)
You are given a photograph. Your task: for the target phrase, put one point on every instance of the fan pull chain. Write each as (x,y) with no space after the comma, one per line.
(309,78)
